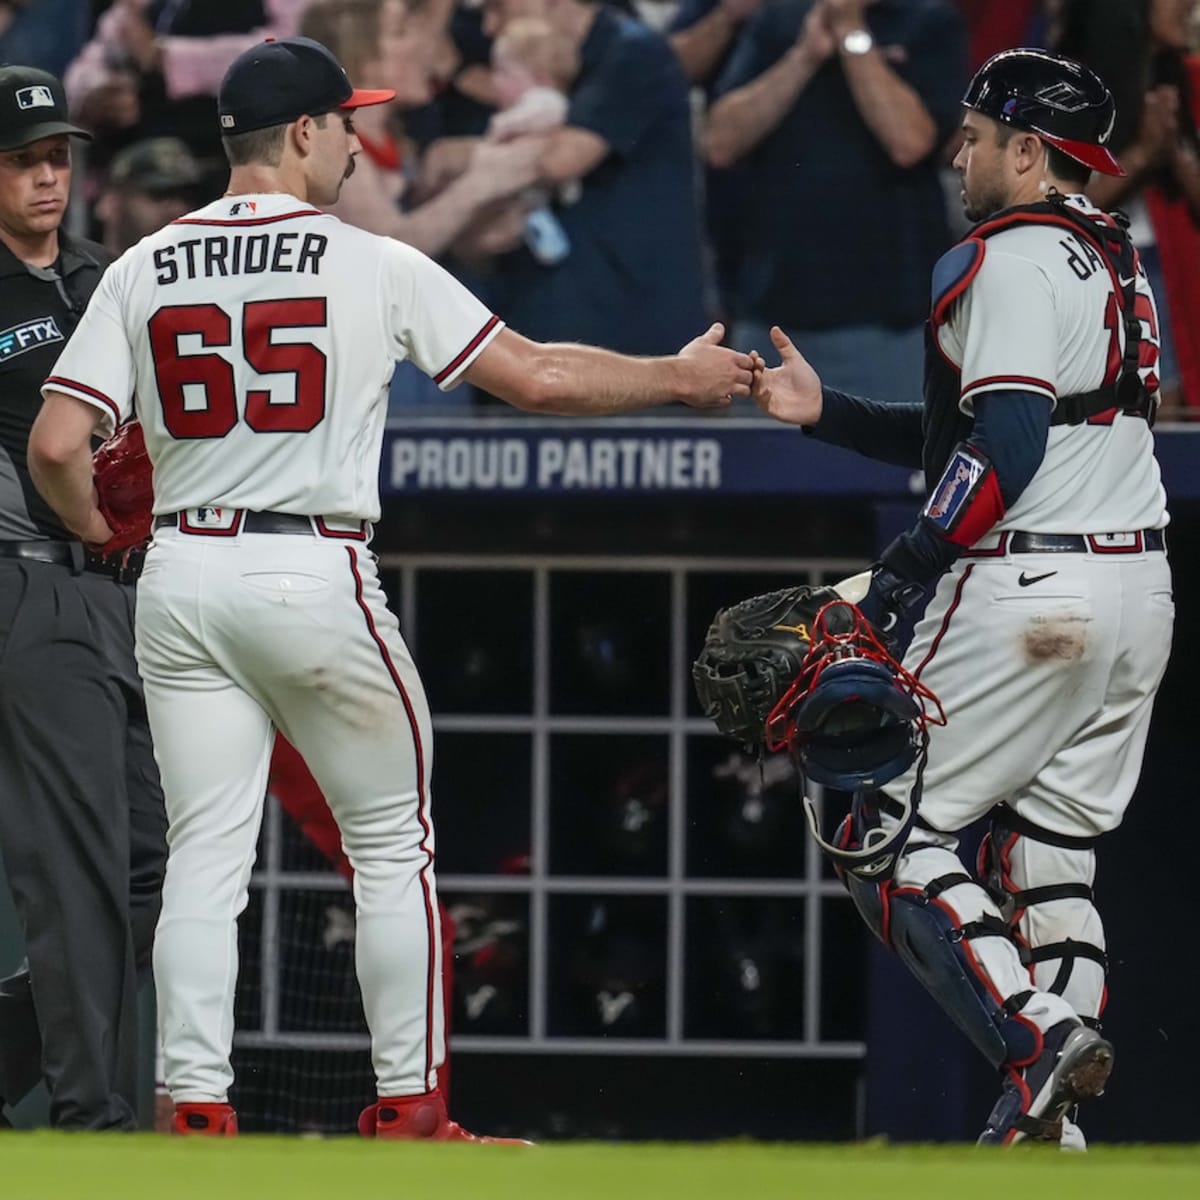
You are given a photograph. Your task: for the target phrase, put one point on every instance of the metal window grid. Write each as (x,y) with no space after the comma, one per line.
(539,885)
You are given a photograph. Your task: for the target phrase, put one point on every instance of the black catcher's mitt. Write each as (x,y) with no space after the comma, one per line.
(753,652)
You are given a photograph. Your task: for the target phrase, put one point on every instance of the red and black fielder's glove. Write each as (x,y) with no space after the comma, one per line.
(124,481)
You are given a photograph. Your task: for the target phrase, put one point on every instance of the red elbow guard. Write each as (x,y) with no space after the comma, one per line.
(966,502)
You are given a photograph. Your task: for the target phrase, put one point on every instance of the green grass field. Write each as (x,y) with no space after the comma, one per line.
(141,1167)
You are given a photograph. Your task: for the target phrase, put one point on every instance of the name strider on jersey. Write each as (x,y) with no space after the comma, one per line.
(220,254)
(255,339)
(1041,315)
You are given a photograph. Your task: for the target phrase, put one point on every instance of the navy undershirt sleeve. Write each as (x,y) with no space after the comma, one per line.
(887,432)
(1011,428)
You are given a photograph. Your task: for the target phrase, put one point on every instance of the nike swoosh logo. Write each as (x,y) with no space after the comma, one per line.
(1025,580)
(1126,282)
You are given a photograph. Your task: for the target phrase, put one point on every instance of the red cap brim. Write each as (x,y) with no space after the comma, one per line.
(364,97)
(1099,158)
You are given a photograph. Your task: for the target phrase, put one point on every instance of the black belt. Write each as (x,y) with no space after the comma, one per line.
(1074,543)
(124,568)
(252,522)
(245,521)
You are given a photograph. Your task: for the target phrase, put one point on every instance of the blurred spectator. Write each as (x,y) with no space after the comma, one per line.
(384,45)
(392,44)
(153,68)
(703,33)
(995,25)
(533,67)
(1140,49)
(841,108)
(43,33)
(149,184)
(632,280)
(466,105)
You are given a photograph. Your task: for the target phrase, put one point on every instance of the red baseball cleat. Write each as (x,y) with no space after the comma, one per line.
(423,1117)
(206,1120)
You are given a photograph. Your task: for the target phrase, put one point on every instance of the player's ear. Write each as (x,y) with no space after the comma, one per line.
(301,133)
(1029,152)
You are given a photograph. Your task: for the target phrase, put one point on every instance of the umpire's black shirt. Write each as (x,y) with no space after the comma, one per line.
(39,309)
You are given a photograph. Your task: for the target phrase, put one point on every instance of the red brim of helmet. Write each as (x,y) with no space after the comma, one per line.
(365,97)
(1099,158)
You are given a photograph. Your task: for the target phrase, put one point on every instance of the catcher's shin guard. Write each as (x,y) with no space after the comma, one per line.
(929,940)
(1042,883)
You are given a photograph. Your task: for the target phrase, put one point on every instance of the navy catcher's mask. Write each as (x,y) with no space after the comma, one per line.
(854,719)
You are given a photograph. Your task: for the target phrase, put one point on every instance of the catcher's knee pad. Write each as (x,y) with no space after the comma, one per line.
(1042,883)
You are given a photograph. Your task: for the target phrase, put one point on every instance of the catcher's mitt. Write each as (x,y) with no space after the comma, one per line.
(803,670)
(124,479)
(752,653)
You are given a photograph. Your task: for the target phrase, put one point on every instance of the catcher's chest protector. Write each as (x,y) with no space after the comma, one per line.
(944,424)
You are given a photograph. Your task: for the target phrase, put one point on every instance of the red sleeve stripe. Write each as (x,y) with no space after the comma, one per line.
(471,347)
(58,381)
(1016,381)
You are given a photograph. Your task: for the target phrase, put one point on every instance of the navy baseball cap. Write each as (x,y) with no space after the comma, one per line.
(33,105)
(278,82)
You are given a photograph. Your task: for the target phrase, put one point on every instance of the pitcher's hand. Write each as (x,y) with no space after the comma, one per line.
(714,373)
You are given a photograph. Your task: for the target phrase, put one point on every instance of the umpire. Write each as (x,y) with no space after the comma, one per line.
(82,826)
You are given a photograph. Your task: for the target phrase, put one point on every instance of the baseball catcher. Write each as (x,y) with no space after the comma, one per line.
(802,669)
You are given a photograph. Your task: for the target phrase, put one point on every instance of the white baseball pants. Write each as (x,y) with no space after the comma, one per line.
(239,635)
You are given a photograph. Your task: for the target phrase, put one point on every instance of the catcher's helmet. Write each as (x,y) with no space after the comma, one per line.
(1062,101)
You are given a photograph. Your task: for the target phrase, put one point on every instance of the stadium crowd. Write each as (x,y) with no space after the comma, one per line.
(623,174)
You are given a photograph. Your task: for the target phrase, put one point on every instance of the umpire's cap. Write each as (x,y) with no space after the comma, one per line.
(277,82)
(1062,101)
(33,105)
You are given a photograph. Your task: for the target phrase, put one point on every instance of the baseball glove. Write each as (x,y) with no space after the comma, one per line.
(753,653)
(124,479)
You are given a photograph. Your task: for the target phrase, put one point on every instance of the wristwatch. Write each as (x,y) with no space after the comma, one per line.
(857,41)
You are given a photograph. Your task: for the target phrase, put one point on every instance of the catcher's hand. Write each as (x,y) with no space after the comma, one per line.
(124,479)
(752,653)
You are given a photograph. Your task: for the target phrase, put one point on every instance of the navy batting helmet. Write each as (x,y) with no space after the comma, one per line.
(1065,103)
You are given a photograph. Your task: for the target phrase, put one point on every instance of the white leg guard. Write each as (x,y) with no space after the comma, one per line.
(1044,883)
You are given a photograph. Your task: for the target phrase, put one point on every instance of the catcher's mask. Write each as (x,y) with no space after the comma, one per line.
(854,719)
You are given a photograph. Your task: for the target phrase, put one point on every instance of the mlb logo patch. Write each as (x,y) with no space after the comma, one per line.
(223,522)
(35,97)
(227,121)
(243,206)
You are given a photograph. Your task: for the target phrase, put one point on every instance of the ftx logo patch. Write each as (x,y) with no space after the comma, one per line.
(29,335)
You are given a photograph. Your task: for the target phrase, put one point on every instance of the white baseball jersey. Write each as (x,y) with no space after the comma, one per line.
(1041,316)
(255,339)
